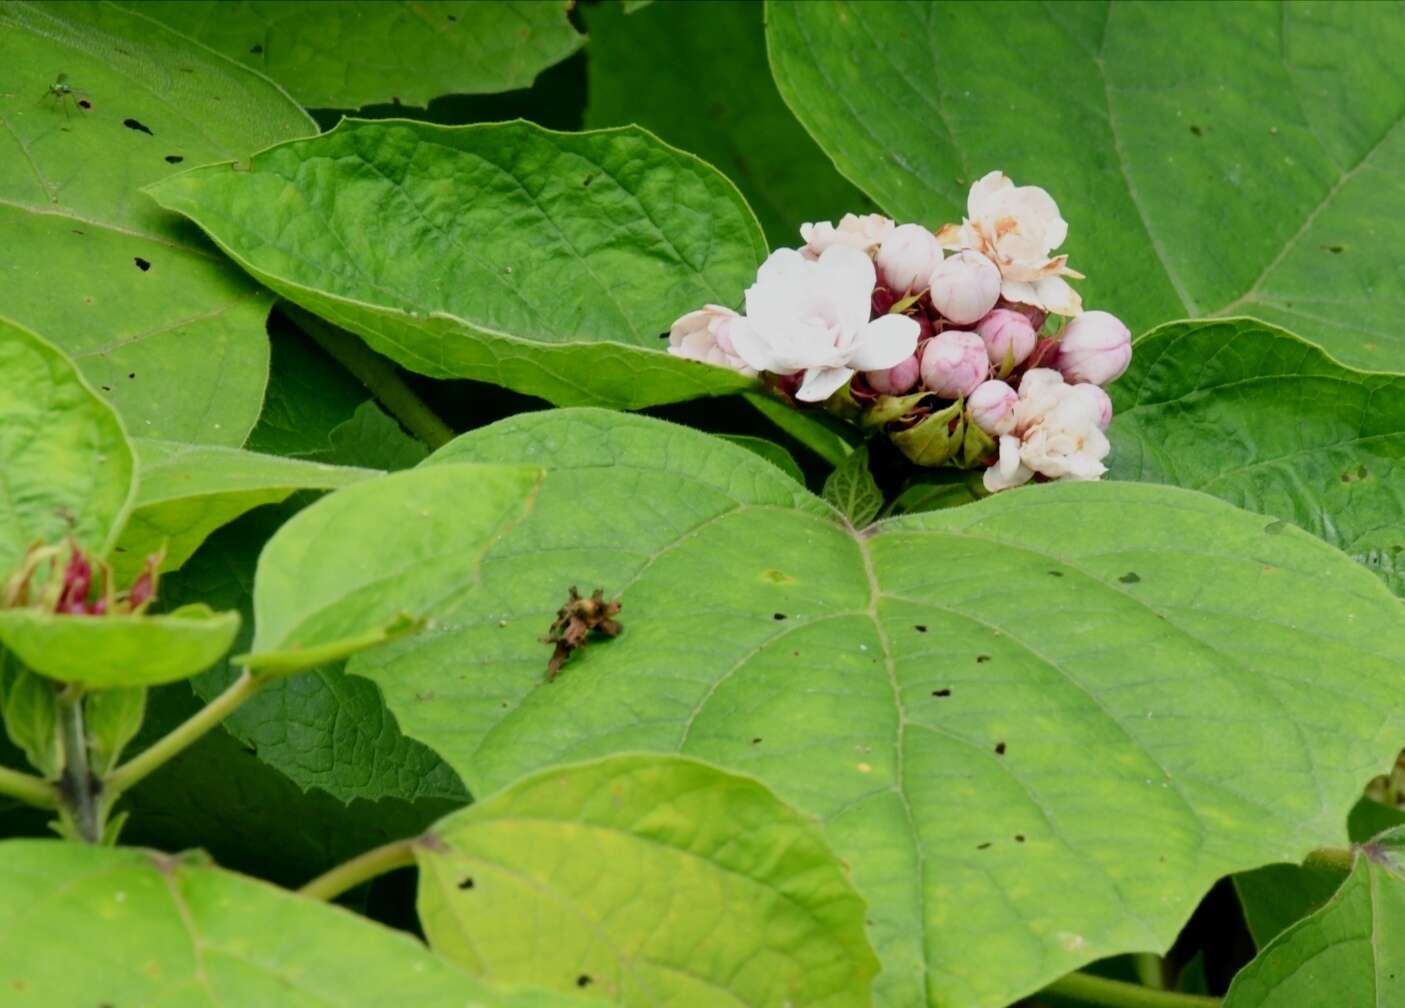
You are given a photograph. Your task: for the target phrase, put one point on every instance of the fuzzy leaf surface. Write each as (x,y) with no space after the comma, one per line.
(1033,743)
(1209,160)
(546,262)
(718,892)
(169,331)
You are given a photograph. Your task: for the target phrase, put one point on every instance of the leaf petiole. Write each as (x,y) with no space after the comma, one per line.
(1087,989)
(27,788)
(362,868)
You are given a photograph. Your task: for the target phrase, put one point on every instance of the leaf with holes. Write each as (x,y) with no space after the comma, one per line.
(376,560)
(188,491)
(1347,953)
(546,262)
(1014,717)
(1210,160)
(716,890)
(65,465)
(1245,411)
(352,52)
(176,930)
(166,329)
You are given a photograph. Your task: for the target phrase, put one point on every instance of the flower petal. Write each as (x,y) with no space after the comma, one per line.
(1055,295)
(885,342)
(822,382)
(750,347)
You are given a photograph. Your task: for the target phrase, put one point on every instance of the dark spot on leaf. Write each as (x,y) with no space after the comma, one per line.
(1000,748)
(451,17)
(1056,573)
(778,616)
(1019,838)
(583,981)
(982,846)
(1197,130)
(981,659)
(131,374)
(83,103)
(105,388)
(142,264)
(943,692)
(1276,527)
(587,180)
(395,99)
(424,695)
(132,124)
(466,883)
(1336,249)
(1131,577)
(756,741)
(77,232)
(1352,475)
(186,69)
(174,159)
(920,628)
(796,654)
(256,50)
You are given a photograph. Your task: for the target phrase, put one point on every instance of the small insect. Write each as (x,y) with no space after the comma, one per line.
(575,621)
(63,92)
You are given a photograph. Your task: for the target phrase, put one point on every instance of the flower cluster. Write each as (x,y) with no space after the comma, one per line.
(77,586)
(941,341)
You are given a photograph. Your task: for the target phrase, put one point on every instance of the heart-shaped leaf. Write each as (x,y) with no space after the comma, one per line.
(1210,160)
(188,491)
(350,53)
(1250,413)
(65,465)
(716,891)
(376,560)
(546,262)
(171,333)
(1015,718)
(104,652)
(154,929)
(1350,952)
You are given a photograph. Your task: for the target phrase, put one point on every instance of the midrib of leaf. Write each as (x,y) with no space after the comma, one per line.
(58,211)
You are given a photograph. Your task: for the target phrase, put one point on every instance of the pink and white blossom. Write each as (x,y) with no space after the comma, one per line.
(1095,347)
(863,232)
(990,404)
(1008,335)
(965,287)
(906,259)
(954,363)
(706,335)
(899,379)
(1053,430)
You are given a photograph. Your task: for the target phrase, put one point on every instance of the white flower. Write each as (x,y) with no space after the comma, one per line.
(1008,336)
(1017,227)
(965,287)
(865,233)
(1104,404)
(907,257)
(705,335)
(1095,347)
(954,363)
(990,404)
(1053,430)
(813,316)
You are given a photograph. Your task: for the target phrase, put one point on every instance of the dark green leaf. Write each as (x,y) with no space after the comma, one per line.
(852,490)
(771,452)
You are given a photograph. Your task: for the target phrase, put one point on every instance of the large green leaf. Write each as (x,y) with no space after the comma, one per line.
(322,729)
(350,53)
(88,925)
(1035,727)
(1350,952)
(1253,414)
(169,331)
(710,58)
(376,560)
(546,262)
(65,465)
(1210,159)
(716,892)
(103,652)
(188,491)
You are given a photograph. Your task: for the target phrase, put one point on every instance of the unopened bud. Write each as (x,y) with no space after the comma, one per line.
(907,257)
(965,287)
(1095,347)
(990,404)
(954,362)
(896,380)
(1008,337)
(77,580)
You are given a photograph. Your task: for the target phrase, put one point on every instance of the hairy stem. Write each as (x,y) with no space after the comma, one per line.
(1086,989)
(184,734)
(362,868)
(377,374)
(78,790)
(27,788)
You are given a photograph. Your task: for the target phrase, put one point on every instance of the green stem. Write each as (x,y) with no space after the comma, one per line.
(1340,858)
(1148,967)
(27,788)
(377,374)
(78,789)
(362,868)
(184,734)
(1087,989)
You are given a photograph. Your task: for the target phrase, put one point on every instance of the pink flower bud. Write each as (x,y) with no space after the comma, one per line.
(77,580)
(965,287)
(954,362)
(143,589)
(990,404)
(896,380)
(1095,347)
(1104,403)
(906,258)
(1008,336)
